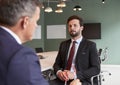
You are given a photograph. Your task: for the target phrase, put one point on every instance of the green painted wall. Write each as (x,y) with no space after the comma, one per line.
(107,14)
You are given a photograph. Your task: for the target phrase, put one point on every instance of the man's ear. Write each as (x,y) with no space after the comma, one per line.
(25,22)
(82,27)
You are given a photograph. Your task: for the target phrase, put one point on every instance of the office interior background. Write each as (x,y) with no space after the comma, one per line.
(93,11)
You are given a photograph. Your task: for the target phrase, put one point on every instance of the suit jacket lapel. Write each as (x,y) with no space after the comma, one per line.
(67,49)
(81,48)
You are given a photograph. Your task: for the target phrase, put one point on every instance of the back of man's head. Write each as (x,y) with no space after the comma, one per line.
(12,10)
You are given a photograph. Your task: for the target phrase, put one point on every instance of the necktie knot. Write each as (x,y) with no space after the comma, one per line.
(74,42)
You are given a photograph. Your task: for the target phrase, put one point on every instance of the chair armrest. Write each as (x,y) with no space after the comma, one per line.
(98,76)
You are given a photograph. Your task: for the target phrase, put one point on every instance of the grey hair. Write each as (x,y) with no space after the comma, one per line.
(12,10)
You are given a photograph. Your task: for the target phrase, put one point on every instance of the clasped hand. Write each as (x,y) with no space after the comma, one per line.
(66,75)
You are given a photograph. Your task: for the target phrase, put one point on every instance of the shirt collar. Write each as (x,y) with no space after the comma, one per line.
(78,40)
(13,34)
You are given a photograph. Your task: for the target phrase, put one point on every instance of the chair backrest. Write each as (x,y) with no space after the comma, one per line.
(38,50)
(99,54)
(95,79)
(104,53)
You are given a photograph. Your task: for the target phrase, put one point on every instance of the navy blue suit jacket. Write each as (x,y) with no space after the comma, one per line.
(19,65)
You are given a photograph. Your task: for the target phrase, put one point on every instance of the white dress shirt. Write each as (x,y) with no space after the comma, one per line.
(73,69)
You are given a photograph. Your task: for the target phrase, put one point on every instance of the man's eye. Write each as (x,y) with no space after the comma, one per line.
(70,25)
(75,25)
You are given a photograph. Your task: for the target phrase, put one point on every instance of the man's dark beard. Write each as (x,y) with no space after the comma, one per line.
(74,35)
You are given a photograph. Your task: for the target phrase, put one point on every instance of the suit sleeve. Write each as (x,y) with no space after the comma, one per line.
(60,61)
(24,69)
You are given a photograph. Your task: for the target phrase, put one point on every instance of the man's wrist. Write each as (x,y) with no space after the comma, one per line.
(58,72)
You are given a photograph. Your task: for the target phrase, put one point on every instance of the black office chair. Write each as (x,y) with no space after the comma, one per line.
(38,50)
(49,74)
(100,76)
